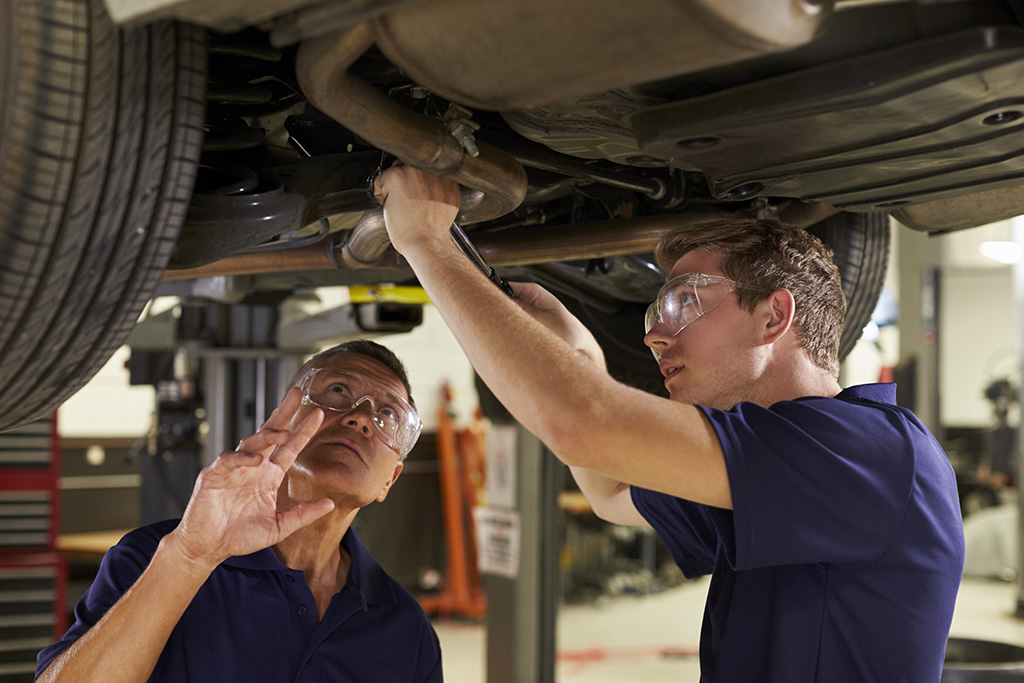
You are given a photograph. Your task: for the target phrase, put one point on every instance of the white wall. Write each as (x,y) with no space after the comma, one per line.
(108,406)
(978,336)
(979,328)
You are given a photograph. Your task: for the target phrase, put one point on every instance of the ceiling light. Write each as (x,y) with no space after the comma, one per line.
(1004,252)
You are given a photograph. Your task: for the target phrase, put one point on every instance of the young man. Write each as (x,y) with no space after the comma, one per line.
(263,579)
(828,518)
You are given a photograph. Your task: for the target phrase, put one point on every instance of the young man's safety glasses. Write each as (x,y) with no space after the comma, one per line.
(394,420)
(683,299)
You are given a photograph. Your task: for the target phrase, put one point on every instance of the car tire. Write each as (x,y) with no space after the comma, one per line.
(101,133)
(861,245)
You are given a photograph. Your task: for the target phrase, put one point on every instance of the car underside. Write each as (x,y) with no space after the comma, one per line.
(149,146)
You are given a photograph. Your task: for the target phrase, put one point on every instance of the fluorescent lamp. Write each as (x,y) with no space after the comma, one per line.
(1003,252)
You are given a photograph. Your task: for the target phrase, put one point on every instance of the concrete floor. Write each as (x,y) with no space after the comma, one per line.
(653,638)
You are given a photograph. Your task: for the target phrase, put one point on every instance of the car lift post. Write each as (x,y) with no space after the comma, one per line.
(521,611)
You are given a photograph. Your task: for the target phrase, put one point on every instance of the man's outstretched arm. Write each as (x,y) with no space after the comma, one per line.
(232,512)
(533,355)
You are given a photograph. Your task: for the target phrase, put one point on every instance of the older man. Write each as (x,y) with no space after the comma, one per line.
(263,579)
(828,518)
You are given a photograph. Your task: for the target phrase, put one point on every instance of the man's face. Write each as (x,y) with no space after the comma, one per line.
(346,459)
(713,361)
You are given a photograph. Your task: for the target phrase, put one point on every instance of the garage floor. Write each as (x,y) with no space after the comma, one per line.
(654,638)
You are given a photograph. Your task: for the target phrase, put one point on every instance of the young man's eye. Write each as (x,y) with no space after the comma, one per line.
(682,301)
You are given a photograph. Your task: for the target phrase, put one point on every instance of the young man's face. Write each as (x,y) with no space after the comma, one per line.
(347,459)
(714,360)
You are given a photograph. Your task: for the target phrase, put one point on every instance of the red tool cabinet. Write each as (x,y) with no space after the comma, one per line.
(33,576)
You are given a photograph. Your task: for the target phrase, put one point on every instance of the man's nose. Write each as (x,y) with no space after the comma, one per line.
(361,414)
(658,336)
(658,340)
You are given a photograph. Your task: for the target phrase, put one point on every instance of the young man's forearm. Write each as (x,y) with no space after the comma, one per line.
(126,643)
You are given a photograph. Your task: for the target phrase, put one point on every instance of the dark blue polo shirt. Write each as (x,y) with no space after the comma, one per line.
(255,620)
(842,556)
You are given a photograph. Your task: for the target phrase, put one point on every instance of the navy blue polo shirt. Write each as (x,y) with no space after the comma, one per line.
(255,620)
(842,556)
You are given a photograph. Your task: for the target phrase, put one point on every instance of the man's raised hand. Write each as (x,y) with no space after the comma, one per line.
(233,509)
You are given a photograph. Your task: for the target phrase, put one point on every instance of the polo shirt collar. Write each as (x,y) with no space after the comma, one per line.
(365,576)
(879,393)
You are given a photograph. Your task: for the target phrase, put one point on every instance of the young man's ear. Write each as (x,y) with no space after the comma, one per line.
(780,308)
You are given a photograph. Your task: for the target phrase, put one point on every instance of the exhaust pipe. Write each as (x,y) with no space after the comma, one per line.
(322,68)
(577,241)
(545,244)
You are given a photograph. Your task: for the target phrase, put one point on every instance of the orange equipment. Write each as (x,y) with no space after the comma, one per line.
(460,457)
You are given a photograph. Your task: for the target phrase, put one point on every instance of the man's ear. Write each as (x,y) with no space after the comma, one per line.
(780,307)
(399,466)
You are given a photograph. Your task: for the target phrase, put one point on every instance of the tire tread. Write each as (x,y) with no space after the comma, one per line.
(86,233)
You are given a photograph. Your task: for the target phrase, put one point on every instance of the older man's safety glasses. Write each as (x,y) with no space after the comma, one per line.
(683,299)
(394,420)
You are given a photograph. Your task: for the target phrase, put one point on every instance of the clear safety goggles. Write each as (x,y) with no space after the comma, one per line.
(394,420)
(683,299)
